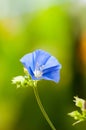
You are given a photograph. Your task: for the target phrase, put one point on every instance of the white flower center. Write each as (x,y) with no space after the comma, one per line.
(37,73)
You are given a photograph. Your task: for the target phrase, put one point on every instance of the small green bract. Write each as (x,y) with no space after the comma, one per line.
(79,116)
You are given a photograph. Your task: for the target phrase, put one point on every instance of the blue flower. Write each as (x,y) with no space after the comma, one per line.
(41,65)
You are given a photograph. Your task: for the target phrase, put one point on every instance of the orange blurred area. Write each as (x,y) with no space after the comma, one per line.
(83,48)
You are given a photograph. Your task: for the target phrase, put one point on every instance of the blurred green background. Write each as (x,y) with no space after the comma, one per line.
(56,26)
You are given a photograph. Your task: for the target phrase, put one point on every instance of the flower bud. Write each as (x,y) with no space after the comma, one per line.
(79,102)
(19,81)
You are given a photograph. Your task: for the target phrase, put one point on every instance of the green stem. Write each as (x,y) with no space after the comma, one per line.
(42,108)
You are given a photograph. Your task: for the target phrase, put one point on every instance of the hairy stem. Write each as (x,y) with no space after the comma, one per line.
(42,108)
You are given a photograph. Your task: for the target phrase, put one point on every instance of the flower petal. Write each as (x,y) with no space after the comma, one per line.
(53,75)
(51,62)
(28,62)
(41,57)
(54,68)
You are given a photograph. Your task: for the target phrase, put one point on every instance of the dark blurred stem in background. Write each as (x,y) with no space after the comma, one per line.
(80,66)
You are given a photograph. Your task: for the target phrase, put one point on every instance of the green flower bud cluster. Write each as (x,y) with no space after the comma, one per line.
(79,116)
(24,81)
